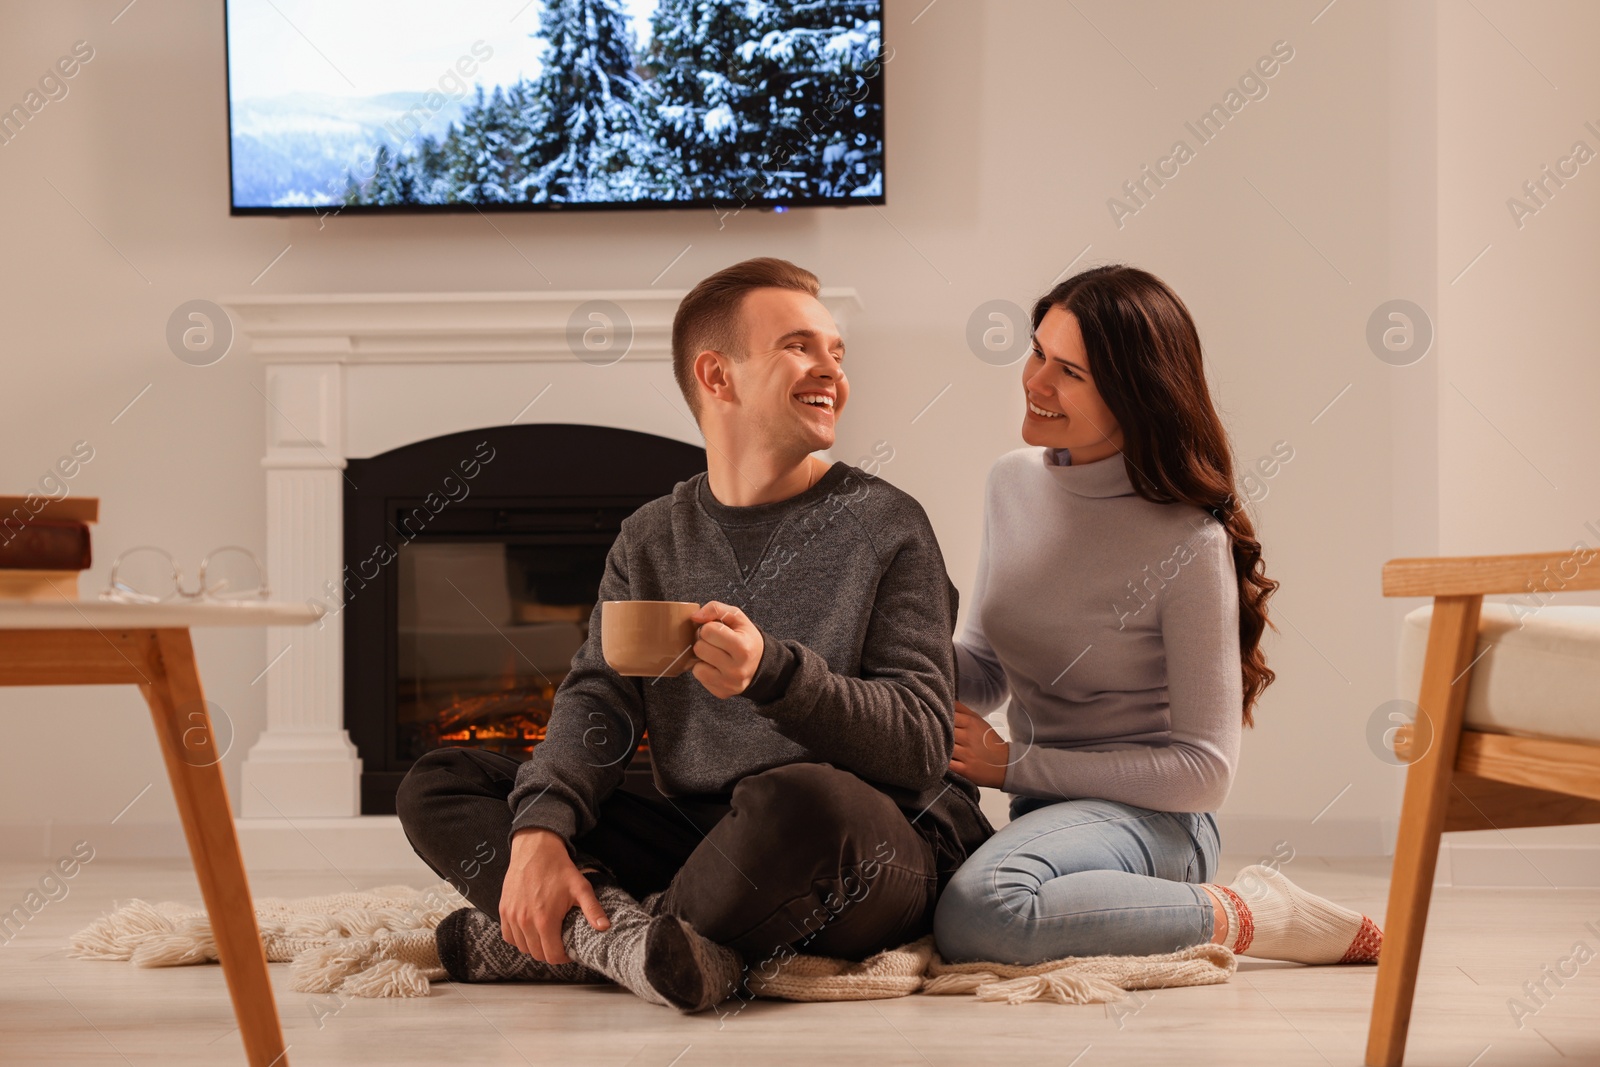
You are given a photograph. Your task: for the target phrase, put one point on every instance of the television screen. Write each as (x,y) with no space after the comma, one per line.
(451,105)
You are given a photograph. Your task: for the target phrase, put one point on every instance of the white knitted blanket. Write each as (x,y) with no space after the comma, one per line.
(380,943)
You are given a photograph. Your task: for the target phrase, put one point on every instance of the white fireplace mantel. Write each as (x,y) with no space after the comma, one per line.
(355,375)
(441,327)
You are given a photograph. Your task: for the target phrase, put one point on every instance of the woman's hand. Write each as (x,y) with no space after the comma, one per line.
(728,647)
(981,755)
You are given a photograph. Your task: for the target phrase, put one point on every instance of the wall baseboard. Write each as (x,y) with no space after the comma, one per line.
(354,844)
(1490,864)
(49,841)
(1497,861)
(360,843)
(1481,860)
(1267,836)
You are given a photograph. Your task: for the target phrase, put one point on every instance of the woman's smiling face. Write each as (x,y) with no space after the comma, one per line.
(1063,409)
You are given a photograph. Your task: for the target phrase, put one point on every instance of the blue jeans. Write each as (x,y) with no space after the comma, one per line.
(1081,878)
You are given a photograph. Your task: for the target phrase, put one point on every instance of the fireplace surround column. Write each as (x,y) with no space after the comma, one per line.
(304,763)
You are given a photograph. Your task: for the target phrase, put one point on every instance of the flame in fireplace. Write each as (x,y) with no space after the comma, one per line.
(511,713)
(513,717)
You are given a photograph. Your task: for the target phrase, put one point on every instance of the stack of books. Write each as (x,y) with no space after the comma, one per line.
(44,549)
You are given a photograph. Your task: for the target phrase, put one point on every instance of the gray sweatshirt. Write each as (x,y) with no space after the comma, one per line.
(1112,623)
(856,612)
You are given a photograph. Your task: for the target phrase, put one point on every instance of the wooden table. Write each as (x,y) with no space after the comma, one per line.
(100,643)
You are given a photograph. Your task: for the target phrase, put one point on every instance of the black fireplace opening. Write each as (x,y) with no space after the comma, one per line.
(472,566)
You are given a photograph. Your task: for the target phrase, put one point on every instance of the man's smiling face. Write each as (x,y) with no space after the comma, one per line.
(790,385)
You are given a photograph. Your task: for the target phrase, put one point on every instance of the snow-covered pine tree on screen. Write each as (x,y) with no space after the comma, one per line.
(725,102)
(815,66)
(705,115)
(481,161)
(597,142)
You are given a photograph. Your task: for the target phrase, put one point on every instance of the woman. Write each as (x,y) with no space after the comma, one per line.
(1120,603)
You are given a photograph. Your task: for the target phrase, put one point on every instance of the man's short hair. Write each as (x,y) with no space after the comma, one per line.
(709,316)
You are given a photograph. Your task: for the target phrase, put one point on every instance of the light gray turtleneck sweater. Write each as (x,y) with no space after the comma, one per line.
(1112,623)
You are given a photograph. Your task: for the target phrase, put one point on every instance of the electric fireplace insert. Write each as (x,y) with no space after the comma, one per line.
(472,566)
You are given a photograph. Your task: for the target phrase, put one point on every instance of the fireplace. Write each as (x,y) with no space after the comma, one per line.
(472,565)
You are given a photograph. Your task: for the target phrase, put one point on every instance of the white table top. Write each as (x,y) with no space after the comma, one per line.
(105,614)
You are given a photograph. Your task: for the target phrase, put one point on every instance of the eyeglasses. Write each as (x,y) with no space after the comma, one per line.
(148,575)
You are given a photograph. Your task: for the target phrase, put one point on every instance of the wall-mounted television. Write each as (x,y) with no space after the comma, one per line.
(364,106)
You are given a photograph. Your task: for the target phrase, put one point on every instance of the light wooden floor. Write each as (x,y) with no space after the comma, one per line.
(1482,945)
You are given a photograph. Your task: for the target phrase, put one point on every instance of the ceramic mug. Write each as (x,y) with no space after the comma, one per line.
(648,638)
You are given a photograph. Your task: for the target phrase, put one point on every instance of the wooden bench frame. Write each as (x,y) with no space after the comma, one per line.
(1467,779)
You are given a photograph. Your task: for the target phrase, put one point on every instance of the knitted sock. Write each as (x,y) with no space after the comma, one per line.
(472,949)
(1270,917)
(659,957)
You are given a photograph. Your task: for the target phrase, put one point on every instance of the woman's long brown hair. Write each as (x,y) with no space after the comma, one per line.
(1145,358)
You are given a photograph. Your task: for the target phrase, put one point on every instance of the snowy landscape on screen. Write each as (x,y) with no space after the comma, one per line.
(725,102)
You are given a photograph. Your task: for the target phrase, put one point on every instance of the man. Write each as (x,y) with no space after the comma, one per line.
(804,759)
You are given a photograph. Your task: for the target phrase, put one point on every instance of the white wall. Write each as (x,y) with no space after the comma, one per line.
(1010,125)
(1518,429)
(1518,380)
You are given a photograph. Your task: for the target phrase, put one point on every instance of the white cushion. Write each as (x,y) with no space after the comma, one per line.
(1541,678)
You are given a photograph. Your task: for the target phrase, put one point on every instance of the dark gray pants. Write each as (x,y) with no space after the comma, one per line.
(805,856)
